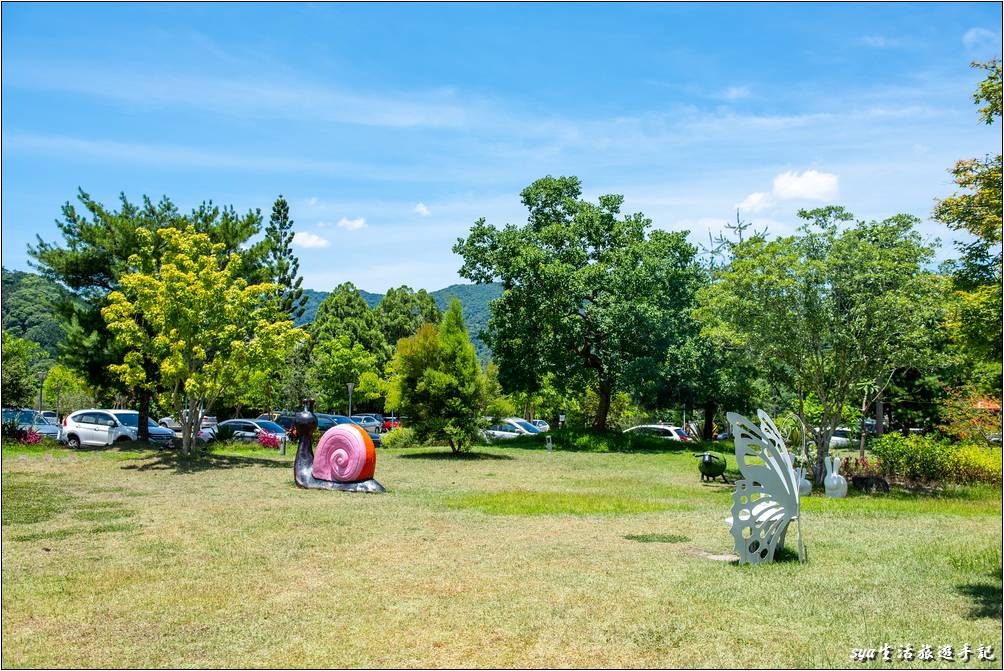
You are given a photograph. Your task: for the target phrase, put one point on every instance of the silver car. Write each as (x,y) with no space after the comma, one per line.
(33,420)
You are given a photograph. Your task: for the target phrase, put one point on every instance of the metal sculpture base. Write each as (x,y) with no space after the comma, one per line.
(303,466)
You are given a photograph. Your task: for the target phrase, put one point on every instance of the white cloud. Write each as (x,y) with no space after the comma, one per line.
(809,185)
(352,224)
(309,240)
(756,202)
(312,201)
(736,92)
(421,209)
(978,39)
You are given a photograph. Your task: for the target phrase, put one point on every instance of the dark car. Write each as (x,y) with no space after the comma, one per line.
(342,419)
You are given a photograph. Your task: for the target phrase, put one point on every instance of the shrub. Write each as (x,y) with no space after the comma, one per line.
(933,458)
(861,466)
(972,462)
(918,457)
(400,437)
(224,433)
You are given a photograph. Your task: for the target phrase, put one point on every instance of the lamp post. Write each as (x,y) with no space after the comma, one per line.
(41,381)
(59,389)
(350,385)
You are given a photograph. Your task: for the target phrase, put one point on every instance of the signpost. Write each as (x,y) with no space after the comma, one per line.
(548,438)
(350,385)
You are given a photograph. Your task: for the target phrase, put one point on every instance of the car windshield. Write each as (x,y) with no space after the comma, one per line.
(132,419)
(842,433)
(33,418)
(270,426)
(523,424)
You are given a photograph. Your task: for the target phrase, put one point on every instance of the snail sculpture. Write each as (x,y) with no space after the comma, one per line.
(345,459)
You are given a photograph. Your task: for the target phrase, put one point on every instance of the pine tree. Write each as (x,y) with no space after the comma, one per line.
(282,266)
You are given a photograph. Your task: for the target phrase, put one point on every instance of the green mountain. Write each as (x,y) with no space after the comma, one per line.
(27,311)
(474,299)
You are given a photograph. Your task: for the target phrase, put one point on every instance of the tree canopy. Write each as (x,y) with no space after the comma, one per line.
(202,324)
(838,305)
(436,381)
(589,294)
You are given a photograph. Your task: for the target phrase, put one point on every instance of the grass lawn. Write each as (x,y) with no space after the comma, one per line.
(505,557)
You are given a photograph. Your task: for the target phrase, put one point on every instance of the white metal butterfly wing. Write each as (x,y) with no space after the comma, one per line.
(766,500)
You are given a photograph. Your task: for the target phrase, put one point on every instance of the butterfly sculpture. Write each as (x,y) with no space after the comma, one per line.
(766,500)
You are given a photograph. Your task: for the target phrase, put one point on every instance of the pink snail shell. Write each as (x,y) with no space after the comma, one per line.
(345,453)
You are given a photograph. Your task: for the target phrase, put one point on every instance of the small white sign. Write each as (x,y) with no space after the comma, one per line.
(548,443)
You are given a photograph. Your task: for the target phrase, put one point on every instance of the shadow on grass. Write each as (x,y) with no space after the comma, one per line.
(985,596)
(442,455)
(182,464)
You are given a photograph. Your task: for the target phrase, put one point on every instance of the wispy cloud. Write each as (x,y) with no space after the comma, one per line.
(980,39)
(882,42)
(309,240)
(352,224)
(421,209)
(809,185)
(260,97)
(736,92)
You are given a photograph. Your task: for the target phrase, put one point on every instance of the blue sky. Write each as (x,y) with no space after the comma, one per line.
(391,128)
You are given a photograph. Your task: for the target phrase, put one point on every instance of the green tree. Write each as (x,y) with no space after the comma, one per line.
(282,267)
(97,245)
(437,382)
(295,380)
(589,295)
(401,311)
(344,312)
(20,364)
(976,210)
(65,390)
(337,362)
(204,326)
(829,309)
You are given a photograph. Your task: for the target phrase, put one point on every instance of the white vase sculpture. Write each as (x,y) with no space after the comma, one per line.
(836,484)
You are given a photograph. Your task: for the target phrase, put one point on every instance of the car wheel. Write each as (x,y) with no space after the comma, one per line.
(73,442)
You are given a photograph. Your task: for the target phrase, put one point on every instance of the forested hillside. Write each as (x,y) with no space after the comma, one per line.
(27,308)
(473,297)
(27,298)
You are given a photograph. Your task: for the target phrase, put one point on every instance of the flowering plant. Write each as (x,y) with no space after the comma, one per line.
(268,440)
(862,466)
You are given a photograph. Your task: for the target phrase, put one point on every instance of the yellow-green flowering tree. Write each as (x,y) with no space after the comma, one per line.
(206,328)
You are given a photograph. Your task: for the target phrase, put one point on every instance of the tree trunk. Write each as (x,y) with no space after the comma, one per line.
(709,419)
(603,409)
(822,451)
(861,428)
(879,416)
(143,430)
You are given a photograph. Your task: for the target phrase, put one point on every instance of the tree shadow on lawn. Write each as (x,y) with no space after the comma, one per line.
(442,455)
(986,597)
(182,464)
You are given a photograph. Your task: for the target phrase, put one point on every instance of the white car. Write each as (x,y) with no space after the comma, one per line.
(510,427)
(104,427)
(661,431)
(541,424)
(841,437)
